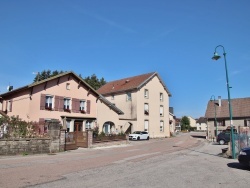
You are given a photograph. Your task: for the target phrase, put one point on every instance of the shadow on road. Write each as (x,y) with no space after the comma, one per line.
(199,136)
(238,166)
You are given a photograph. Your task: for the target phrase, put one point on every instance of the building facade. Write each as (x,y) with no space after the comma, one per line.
(144,101)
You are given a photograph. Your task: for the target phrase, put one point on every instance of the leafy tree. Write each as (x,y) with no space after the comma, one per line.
(94,82)
(46,74)
(185,123)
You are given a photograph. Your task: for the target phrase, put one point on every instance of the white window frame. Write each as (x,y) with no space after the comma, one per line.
(67,104)
(88,125)
(49,101)
(146,125)
(82,105)
(146,94)
(161,110)
(9,104)
(161,126)
(68,86)
(161,97)
(146,108)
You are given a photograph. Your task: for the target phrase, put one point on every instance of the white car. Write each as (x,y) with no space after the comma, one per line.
(139,135)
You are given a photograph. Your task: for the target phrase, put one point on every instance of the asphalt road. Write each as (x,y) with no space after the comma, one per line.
(182,161)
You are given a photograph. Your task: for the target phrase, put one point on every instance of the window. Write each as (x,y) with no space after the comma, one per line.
(146,93)
(9,106)
(161,126)
(221,123)
(145,125)
(161,110)
(48,102)
(82,106)
(66,104)
(146,109)
(68,126)
(129,97)
(88,125)
(161,97)
(68,86)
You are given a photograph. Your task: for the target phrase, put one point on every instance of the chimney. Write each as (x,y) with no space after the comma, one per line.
(219,100)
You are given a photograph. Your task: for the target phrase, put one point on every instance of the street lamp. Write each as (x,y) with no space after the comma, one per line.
(216,57)
(215,120)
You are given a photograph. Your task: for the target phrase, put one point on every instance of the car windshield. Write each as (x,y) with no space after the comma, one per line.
(137,132)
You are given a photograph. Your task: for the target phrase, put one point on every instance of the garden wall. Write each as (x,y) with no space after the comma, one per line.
(24,146)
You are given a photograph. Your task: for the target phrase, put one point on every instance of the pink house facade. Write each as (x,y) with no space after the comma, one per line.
(65,97)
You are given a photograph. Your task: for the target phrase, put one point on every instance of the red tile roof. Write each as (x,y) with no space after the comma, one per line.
(240,108)
(128,84)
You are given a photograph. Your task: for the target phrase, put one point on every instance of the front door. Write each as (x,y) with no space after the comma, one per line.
(79,135)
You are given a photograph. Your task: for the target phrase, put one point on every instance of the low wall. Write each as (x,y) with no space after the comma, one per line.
(25,146)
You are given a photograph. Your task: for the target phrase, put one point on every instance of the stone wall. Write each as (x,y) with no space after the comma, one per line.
(24,146)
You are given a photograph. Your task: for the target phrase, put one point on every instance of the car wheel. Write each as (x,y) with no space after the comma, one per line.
(138,138)
(221,142)
(148,138)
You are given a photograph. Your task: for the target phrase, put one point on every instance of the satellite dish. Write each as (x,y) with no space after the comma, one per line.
(9,88)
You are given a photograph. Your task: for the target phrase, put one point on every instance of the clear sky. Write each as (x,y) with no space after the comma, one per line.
(115,39)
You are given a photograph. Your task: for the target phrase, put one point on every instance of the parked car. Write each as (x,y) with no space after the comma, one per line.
(225,137)
(244,156)
(139,135)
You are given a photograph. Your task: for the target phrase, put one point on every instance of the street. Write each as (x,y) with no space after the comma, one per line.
(186,160)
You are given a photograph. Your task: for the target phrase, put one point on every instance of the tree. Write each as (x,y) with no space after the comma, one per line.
(185,123)
(46,74)
(92,80)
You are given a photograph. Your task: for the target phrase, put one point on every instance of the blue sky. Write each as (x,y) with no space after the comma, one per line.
(117,39)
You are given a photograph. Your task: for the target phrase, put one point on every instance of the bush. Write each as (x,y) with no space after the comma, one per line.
(14,127)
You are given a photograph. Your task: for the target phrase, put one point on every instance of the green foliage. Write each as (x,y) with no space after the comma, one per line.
(185,123)
(92,80)
(102,134)
(95,82)
(46,74)
(17,128)
(121,133)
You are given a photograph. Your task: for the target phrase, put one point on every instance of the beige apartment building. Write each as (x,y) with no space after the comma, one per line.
(144,101)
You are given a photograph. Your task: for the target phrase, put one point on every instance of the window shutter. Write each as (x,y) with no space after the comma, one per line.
(56,107)
(88,106)
(75,105)
(61,104)
(42,102)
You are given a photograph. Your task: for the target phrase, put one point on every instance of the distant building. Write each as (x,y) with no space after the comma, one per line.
(192,122)
(201,124)
(240,114)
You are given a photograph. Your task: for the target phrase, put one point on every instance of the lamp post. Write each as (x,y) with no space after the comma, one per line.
(215,120)
(216,57)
